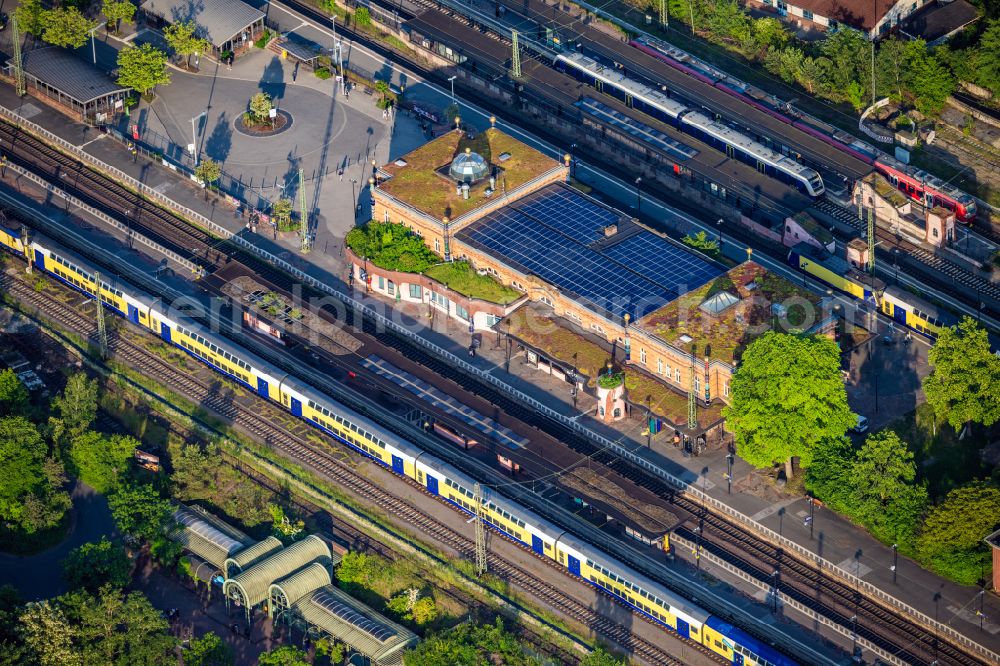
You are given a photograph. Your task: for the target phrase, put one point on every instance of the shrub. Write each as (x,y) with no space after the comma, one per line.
(264,38)
(610,381)
(322,73)
(362,16)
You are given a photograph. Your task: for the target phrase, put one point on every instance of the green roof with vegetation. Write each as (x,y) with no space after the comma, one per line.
(391,246)
(461,277)
(644,389)
(420,185)
(394,247)
(562,344)
(885,190)
(684,324)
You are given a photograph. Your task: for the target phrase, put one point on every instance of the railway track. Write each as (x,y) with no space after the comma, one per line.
(338,470)
(943,266)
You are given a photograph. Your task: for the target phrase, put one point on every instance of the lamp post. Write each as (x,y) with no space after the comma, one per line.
(729,473)
(93,46)
(638,195)
(895,263)
(451,80)
(812,516)
(774,589)
(194,135)
(719,226)
(354,196)
(895,561)
(649,422)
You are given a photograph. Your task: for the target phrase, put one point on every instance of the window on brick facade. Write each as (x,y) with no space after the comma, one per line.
(642,356)
(392,288)
(806,14)
(659,365)
(437,245)
(677,375)
(416,291)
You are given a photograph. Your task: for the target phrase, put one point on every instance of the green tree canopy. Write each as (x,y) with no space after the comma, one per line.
(989,57)
(116,11)
(600,657)
(260,106)
(930,83)
(101,462)
(281,211)
(885,495)
(471,645)
(951,540)
(120,629)
(392,246)
(964,384)
(209,650)
(183,39)
(786,399)
(67,27)
(93,565)
(208,171)
(139,510)
(22,454)
(142,68)
(48,635)
(286,655)
(30,16)
(76,407)
(14,397)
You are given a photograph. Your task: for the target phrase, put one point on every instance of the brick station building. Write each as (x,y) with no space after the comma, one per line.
(511,212)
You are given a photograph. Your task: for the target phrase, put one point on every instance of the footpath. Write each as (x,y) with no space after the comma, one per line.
(970,611)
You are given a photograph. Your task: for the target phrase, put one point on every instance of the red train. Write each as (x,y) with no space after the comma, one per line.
(918,185)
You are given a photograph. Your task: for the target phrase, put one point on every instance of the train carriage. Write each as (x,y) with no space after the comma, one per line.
(914,312)
(739,647)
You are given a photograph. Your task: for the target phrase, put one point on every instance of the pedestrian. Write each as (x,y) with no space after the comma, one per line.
(295,72)
(340,172)
(807,521)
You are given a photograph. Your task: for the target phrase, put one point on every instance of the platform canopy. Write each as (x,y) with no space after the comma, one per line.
(254,583)
(219,21)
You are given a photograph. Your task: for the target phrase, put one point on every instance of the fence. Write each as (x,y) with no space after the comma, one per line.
(567,421)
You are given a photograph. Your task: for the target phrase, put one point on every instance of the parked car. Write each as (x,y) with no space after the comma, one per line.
(862,425)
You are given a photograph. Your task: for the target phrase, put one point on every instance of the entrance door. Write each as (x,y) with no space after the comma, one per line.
(537,545)
(737,659)
(165,331)
(899,314)
(432,485)
(296,407)
(262,387)
(397,464)
(133,313)
(683,628)
(574,565)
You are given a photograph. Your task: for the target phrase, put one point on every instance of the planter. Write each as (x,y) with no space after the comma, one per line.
(282,122)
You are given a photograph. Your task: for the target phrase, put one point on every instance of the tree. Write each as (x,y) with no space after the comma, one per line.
(701,241)
(260,107)
(14,397)
(209,650)
(102,461)
(115,628)
(286,655)
(140,511)
(93,565)
(208,172)
(22,452)
(885,496)
(471,645)
(142,68)
(848,53)
(30,15)
(362,16)
(600,657)
(989,57)
(332,650)
(964,383)
(281,211)
(930,83)
(116,11)
(182,39)
(48,635)
(787,398)
(890,71)
(951,540)
(67,27)
(77,406)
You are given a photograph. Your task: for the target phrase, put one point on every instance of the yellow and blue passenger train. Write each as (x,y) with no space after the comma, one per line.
(901,306)
(438,478)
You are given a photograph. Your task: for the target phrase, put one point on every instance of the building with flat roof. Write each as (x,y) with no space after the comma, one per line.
(230,25)
(670,308)
(74,86)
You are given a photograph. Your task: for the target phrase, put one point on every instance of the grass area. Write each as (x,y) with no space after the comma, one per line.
(945,461)
(461,277)
(558,342)
(723,336)
(419,184)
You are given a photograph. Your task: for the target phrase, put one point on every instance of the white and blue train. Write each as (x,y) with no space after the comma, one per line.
(691,121)
(441,480)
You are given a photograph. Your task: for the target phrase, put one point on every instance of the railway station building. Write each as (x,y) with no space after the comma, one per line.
(293,584)
(681,318)
(229,25)
(74,86)
(875,18)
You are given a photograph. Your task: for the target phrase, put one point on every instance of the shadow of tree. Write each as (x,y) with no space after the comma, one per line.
(272,81)
(220,141)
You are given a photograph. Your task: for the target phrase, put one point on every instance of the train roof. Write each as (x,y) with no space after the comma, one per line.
(922,176)
(897,294)
(617,78)
(678,604)
(756,646)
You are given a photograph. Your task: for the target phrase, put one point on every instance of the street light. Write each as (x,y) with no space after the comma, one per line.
(194,135)
(774,589)
(895,561)
(451,80)
(638,195)
(895,262)
(93,46)
(812,515)
(729,472)
(354,196)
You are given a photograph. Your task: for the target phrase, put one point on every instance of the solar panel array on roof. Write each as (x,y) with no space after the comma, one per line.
(347,613)
(635,128)
(548,235)
(662,262)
